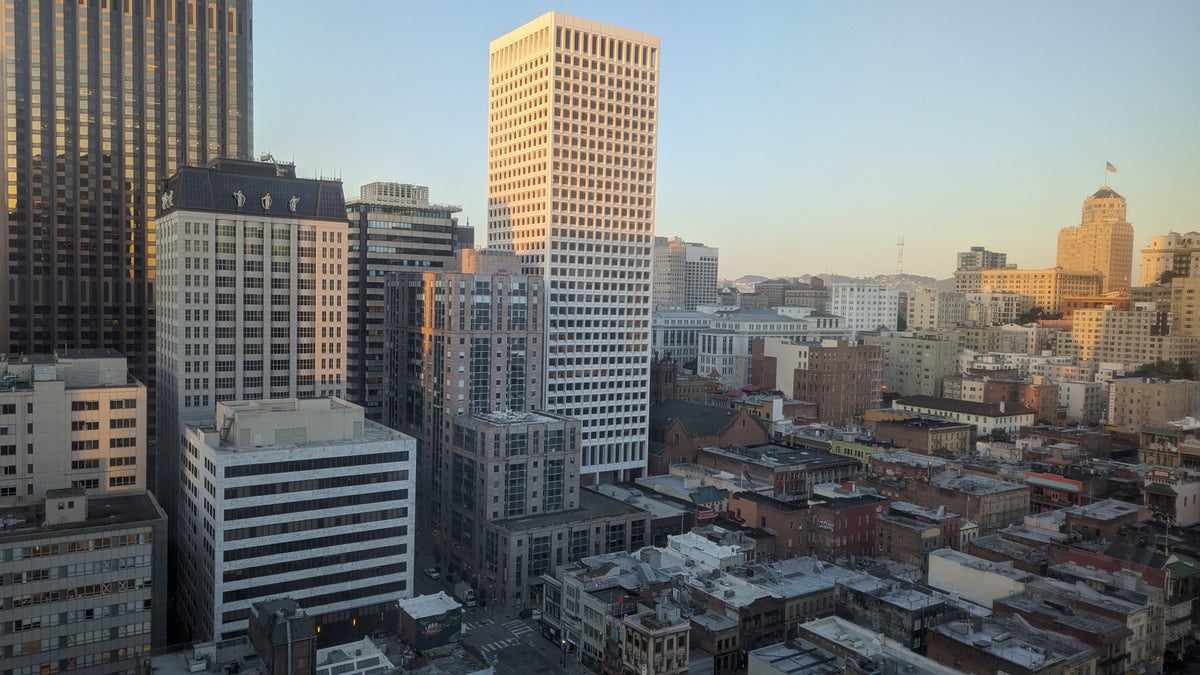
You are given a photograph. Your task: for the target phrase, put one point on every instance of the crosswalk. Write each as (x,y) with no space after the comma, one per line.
(500,644)
(517,627)
(474,625)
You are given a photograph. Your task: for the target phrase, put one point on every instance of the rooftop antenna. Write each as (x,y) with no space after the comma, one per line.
(900,255)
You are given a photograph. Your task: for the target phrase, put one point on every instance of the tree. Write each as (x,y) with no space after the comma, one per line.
(1166,277)
(1000,435)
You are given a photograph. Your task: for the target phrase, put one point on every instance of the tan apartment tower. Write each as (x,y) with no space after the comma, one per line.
(1102,242)
(572,129)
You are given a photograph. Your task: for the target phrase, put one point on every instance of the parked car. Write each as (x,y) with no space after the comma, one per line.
(530,613)
(433,573)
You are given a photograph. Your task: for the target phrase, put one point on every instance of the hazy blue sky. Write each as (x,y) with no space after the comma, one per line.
(798,137)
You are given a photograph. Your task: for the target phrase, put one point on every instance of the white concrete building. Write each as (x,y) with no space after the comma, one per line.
(864,305)
(677,333)
(571,191)
(74,419)
(973,578)
(298,498)
(725,347)
(692,546)
(1084,401)
(685,274)
(251,295)
(930,308)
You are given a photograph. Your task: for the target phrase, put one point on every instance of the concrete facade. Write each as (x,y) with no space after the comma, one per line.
(74,419)
(251,296)
(582,220)
(347,546)
(1103,241)
(685,274)
(915,364)
(1047,287)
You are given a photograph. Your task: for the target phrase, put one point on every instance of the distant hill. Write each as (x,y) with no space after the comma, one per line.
(900,282)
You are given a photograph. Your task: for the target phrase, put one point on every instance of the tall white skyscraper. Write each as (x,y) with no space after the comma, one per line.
(572,129)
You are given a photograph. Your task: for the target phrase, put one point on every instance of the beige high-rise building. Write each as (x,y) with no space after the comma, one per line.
(1132,337)
(1103,241)
(1173,252)
(572,133)
(1047,287)
(1184,308)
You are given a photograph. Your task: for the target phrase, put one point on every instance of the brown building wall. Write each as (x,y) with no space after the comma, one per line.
(925,440)
(968,659)
(682,445)
(791,524)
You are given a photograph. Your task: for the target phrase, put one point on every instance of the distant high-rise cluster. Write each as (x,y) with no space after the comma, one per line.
(685,274)
(979,258)
(572,138)
(1102,242)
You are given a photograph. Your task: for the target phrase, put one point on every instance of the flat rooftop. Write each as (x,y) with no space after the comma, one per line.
(428,605)
(507,417)
(659,506)
(976,485)
(918,511)
(592,505)
(795,577)
(975,562)
(889,655)
(780,457)
(17,522)
(1108,509)
(1011,549)
(891,592)
(1018,643)
(798,656)
(908,458)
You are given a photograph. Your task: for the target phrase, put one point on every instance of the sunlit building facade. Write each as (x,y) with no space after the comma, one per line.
(1102,242)
(572,137)
(102,102)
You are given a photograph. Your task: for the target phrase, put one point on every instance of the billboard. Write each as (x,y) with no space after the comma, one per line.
(430,632)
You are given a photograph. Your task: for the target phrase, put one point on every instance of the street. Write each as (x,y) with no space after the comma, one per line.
(516,644)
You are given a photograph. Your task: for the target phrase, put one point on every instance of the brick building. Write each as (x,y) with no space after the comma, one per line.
(1008,646)
(792,471)
(891,608)
(679,428)
(1108,636)
(1039,396)
(846,526)
(926,436)
(790,521)
(844,378)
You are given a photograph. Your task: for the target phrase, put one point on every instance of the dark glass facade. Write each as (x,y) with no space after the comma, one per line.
(103,100)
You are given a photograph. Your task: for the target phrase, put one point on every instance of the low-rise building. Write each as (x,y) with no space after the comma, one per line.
(926,436)
(73,565)
(1102,519)
(987,418)
(1012,645)
(792,471)
(682,429)
(891,608)
(655,641)
(865,651)
(1172,496)
(791,521)
(845,526)
(1108,636)
(976,579)
(791,657)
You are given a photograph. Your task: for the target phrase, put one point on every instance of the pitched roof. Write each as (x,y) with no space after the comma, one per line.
(698,419)
(966,407)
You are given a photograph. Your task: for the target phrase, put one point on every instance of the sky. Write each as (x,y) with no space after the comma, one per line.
(798,137)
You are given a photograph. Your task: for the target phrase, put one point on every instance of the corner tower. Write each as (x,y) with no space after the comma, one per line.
(1102,242)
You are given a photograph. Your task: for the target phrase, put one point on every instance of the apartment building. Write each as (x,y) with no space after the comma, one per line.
(1047,287)
(1102,242)
(685,274)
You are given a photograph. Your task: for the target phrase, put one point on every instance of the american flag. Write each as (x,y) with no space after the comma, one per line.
(1108,166)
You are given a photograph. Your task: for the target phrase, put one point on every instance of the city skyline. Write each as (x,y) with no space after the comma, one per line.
(968,106)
